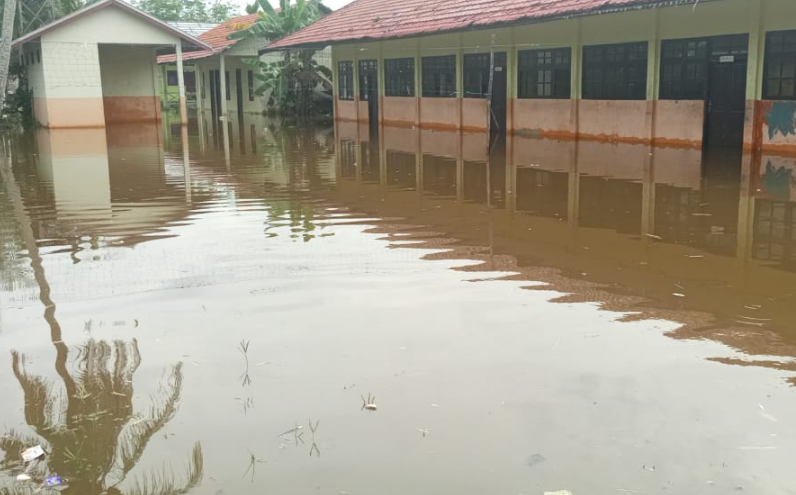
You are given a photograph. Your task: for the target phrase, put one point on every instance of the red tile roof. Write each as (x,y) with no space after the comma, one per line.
(381,19)
(216,38)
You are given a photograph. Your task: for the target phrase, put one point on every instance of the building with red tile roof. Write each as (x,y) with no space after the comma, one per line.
(682,73)
(227,56)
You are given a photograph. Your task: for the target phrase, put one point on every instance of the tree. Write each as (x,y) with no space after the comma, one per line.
(189,10)
(292,81)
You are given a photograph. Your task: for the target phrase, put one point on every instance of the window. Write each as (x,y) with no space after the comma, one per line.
(250,80)
(476,73)
(544,73)
(368,79)
(439,76)
(684,69)
(204,91)
(779,82)
(399,77)
(38,56)
(615,72)
(226,81)
(189,78)
(172,78)
(345,80)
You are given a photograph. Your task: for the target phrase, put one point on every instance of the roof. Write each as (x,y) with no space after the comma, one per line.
(102,4)
(383,19)
(216,38)
(193,28)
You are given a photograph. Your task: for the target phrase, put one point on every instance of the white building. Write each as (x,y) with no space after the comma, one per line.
(97,65)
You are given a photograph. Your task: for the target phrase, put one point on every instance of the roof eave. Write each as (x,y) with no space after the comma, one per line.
(38,33)
(517,22)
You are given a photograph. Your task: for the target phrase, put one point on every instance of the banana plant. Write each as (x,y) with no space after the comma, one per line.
(289,83)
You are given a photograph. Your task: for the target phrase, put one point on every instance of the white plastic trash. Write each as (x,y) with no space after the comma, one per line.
(32,453)
(559,492)
(23,477)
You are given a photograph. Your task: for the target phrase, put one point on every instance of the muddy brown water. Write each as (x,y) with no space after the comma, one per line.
(593,317)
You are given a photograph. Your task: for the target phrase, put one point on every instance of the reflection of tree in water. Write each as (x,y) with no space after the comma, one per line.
(299,151)
(89,429)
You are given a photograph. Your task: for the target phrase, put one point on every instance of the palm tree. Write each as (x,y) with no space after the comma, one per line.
(293,79)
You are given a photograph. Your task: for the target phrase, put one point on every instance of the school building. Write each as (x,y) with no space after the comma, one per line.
(666,72)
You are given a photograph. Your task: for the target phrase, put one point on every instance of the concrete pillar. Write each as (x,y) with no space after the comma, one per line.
(754,73)
(460,179)
(418,83)
(648,199)
(181,85)
(222,76)
(575,83)
(460,84)
(186,163)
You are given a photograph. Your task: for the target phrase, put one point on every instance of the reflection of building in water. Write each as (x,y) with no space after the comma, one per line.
(108,183)
(775,211)
(75,161)
(638,223)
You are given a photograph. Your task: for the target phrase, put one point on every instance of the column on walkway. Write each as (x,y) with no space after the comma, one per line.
(181,85)
(222,77)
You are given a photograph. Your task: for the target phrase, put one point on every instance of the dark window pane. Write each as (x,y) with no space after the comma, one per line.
(780,66)
(544,73)
(345,80)
(439,76)
(399,77)
(615,72)
(368,79)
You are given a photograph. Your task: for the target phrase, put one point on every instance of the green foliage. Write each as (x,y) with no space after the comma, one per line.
(18,106)
(275,24)
(44,14)
(291,81)
(189,10)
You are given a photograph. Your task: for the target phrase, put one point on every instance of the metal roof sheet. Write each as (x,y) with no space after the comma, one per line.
(193,28)
(216,38)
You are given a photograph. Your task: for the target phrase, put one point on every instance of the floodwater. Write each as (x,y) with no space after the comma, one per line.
(593,317)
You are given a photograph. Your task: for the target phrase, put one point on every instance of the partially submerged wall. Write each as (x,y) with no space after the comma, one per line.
(128,84)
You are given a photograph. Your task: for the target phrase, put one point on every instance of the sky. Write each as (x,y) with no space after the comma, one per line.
(332,4)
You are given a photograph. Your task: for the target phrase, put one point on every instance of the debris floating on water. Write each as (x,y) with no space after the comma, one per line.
(23,477)
(536,459)
(559,492)
(369,404)
(32,453)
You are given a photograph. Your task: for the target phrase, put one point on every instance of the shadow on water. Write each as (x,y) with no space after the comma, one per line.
(703,239)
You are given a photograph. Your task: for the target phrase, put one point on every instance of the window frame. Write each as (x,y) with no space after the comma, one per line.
(609,69)
(559,65)
(430,75)
(345,91)
(784,55)
(367,68)
(396,71)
